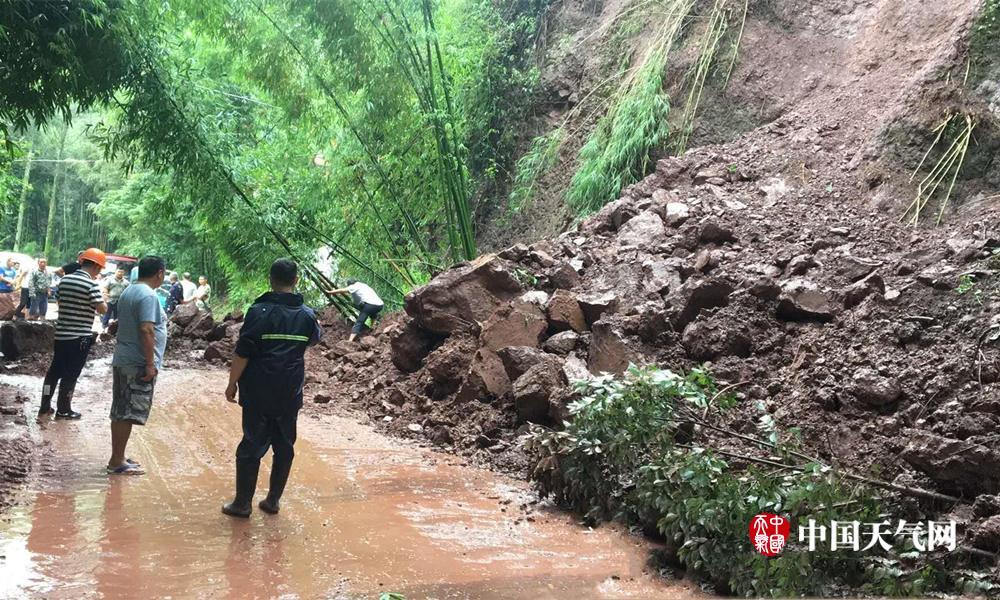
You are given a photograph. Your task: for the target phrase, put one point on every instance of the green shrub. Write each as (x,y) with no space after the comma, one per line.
(631,453)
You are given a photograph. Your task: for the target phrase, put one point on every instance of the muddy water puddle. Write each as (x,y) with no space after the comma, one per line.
(363,514)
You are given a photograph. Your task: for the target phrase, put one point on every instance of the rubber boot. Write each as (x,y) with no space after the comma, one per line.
(246,484)
(279,477)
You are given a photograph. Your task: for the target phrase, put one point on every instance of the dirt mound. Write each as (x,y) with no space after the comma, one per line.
(16,446)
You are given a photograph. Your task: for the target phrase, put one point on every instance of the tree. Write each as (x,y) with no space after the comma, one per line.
(22,205)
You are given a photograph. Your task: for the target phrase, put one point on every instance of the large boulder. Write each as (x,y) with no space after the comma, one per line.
(464,295)
(201,327)
(409,345)
(609,352)
(219,351)
(565,313)
(533,389)
(185,315)
(518,359)
(519,323)
(486,380)
(957,466)
(448,365)
(24,338)
(8,302)
(562,343)
(595,305)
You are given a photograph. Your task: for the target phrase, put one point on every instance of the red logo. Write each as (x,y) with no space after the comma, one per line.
(769,532)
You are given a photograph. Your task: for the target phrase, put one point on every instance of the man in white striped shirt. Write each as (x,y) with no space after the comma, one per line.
(79,298)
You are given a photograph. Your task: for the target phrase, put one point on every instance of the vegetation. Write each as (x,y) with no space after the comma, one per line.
(261,128)
(651,449)
(953,134)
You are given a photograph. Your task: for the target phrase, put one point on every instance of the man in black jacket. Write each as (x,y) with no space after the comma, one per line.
(268,371)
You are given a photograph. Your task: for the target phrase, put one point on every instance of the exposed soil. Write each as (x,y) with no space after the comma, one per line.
(16,445)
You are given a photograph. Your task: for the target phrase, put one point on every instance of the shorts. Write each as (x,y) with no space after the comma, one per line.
(39,306)
(132,398)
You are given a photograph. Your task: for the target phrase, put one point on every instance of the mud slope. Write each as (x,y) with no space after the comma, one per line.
(777,260)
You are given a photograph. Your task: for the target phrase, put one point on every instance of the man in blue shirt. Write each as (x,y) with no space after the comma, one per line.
(268,373)
(141,341)
(7,275)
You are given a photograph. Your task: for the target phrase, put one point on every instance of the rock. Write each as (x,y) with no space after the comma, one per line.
(706,260)
(697,295)
(8,302)
(708,340)
(200,327)
(609,353)
(235,316)
(562,343)
(986,505)
(565,313)
(518,359)
(595,305)
(987,535)
(855,293)
(409,345)
(676,213)
(537,297)
(448,365)
(19,339)
(875,391)
(803,300)
(532,391)
(487,379)
(645,229)
(564,276)
(611,217)
(517,324)
(415,427)
(939,277)
(713,233)
(515,253)
(322,398)
(464,295)
(219,351)
(957,466)
(441,436)
(765,288)
(575,369)
(854,268)
(185,315)
(541,258)
(800,264)
(661,276)
(218,332)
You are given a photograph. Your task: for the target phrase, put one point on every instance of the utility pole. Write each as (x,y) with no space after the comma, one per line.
(23,204)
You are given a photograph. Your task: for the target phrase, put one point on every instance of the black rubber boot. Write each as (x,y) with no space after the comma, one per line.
(279,477)
(246,484)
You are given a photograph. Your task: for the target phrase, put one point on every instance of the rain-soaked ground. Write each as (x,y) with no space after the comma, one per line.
(363,514)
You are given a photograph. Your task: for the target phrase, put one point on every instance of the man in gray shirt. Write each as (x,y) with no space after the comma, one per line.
(142,339)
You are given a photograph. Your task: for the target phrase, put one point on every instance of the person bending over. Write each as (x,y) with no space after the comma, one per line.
(267,373)
(364,298)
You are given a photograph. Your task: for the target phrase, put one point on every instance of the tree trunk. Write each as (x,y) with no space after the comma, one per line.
(50,226)
(23,205)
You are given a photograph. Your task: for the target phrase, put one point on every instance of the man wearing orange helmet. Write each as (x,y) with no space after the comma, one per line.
(79,298)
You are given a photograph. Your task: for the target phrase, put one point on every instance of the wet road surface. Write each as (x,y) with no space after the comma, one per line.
(363,514)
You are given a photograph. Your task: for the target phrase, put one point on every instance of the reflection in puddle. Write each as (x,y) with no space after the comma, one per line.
(360,517)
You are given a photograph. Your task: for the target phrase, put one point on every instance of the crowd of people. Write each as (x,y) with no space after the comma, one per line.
(266,376)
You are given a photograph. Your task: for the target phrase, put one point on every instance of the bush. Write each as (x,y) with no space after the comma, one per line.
(632,452)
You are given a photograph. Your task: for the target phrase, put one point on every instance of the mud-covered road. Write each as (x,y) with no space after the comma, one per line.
(363,514)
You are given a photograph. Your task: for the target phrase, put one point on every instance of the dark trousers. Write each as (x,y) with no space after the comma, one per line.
(261,432)
(364,312)
(111,314)
(68,360)
(25,303)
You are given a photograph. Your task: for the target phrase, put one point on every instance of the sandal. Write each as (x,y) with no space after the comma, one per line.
(126,468)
